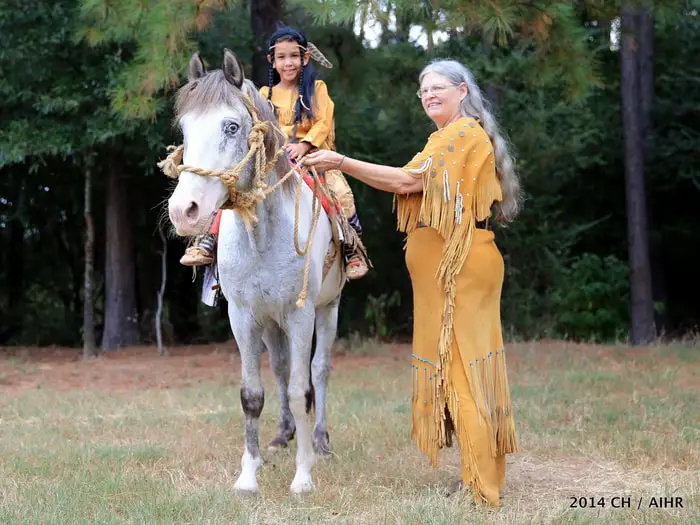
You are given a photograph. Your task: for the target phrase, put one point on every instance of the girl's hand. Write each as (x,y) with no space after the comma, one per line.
(297,151)
(324,160)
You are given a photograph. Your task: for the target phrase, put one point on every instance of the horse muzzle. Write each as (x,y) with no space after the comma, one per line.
(187,218)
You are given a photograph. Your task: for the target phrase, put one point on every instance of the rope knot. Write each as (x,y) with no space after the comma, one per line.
(258,131)
(229,178)
(170,164)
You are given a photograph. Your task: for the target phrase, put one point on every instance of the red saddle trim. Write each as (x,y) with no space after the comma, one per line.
(308,179)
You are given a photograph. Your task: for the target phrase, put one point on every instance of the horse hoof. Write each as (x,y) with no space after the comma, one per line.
(246,487)
(302,485)
(277,444)
(322,445)
(323,449)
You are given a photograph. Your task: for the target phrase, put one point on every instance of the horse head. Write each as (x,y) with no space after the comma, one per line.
(222,118)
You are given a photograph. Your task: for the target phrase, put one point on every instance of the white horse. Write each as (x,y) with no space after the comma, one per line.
(229,135)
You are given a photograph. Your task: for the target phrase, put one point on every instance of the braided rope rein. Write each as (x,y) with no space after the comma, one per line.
(245,202)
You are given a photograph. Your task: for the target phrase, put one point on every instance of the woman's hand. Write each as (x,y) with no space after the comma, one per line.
(323,160)
(297,151)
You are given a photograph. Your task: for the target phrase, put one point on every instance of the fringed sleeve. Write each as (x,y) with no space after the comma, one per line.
(459,187)
(459,184)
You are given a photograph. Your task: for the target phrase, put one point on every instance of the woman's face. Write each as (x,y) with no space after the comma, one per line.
(441,98)
(287,61)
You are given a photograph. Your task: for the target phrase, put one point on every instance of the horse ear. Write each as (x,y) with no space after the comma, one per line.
(197,68)
(233,68)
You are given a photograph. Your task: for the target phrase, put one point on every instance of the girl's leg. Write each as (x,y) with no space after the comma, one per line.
(356,264)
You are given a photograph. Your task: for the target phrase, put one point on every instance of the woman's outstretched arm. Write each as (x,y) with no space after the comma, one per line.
(385,178)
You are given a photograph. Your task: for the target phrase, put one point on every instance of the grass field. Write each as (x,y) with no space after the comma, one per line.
(133,438)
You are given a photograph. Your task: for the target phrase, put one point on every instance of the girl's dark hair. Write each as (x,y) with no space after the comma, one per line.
(307,77)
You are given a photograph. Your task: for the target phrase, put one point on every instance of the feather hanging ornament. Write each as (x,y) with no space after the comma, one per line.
(318,56)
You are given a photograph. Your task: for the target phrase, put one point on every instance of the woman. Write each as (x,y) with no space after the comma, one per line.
(305,112)
(444,197)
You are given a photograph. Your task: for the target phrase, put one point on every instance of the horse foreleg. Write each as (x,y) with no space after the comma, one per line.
(278,350)
(300,332)
(326,330)
(249,340)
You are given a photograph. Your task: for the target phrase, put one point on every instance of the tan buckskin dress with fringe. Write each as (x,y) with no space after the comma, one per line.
(459,373)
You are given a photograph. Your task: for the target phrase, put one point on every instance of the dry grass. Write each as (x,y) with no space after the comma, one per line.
(139,439)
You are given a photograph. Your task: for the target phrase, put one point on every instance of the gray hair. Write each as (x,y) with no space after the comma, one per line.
(475,106)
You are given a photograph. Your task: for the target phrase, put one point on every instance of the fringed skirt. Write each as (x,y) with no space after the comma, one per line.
(477,405)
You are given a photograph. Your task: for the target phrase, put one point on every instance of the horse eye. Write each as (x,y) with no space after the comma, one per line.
(230,128)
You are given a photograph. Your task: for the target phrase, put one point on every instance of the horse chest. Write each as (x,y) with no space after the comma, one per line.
(262,271)
(257,288)
(259,282)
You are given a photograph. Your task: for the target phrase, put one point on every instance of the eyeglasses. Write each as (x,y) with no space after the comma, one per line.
(437,90)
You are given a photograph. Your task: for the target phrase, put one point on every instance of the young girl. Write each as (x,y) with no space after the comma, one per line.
(306,115)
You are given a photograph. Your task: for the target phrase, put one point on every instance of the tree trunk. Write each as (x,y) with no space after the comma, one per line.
(645,46)
(121,316)
(492,91)
(646,86)
(642,304)
(161,292)
(383,18)
(264,15)
(89,344)
(403,24)
(430,37)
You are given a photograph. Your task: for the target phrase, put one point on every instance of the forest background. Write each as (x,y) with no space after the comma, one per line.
(600,100)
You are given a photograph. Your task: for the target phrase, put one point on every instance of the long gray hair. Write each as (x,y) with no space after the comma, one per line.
(475,106)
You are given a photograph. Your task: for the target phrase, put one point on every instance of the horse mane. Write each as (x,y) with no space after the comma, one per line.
(213,90)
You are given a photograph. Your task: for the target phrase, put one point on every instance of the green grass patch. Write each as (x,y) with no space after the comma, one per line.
(590,422)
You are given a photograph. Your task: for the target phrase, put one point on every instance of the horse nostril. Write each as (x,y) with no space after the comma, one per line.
(192,211)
